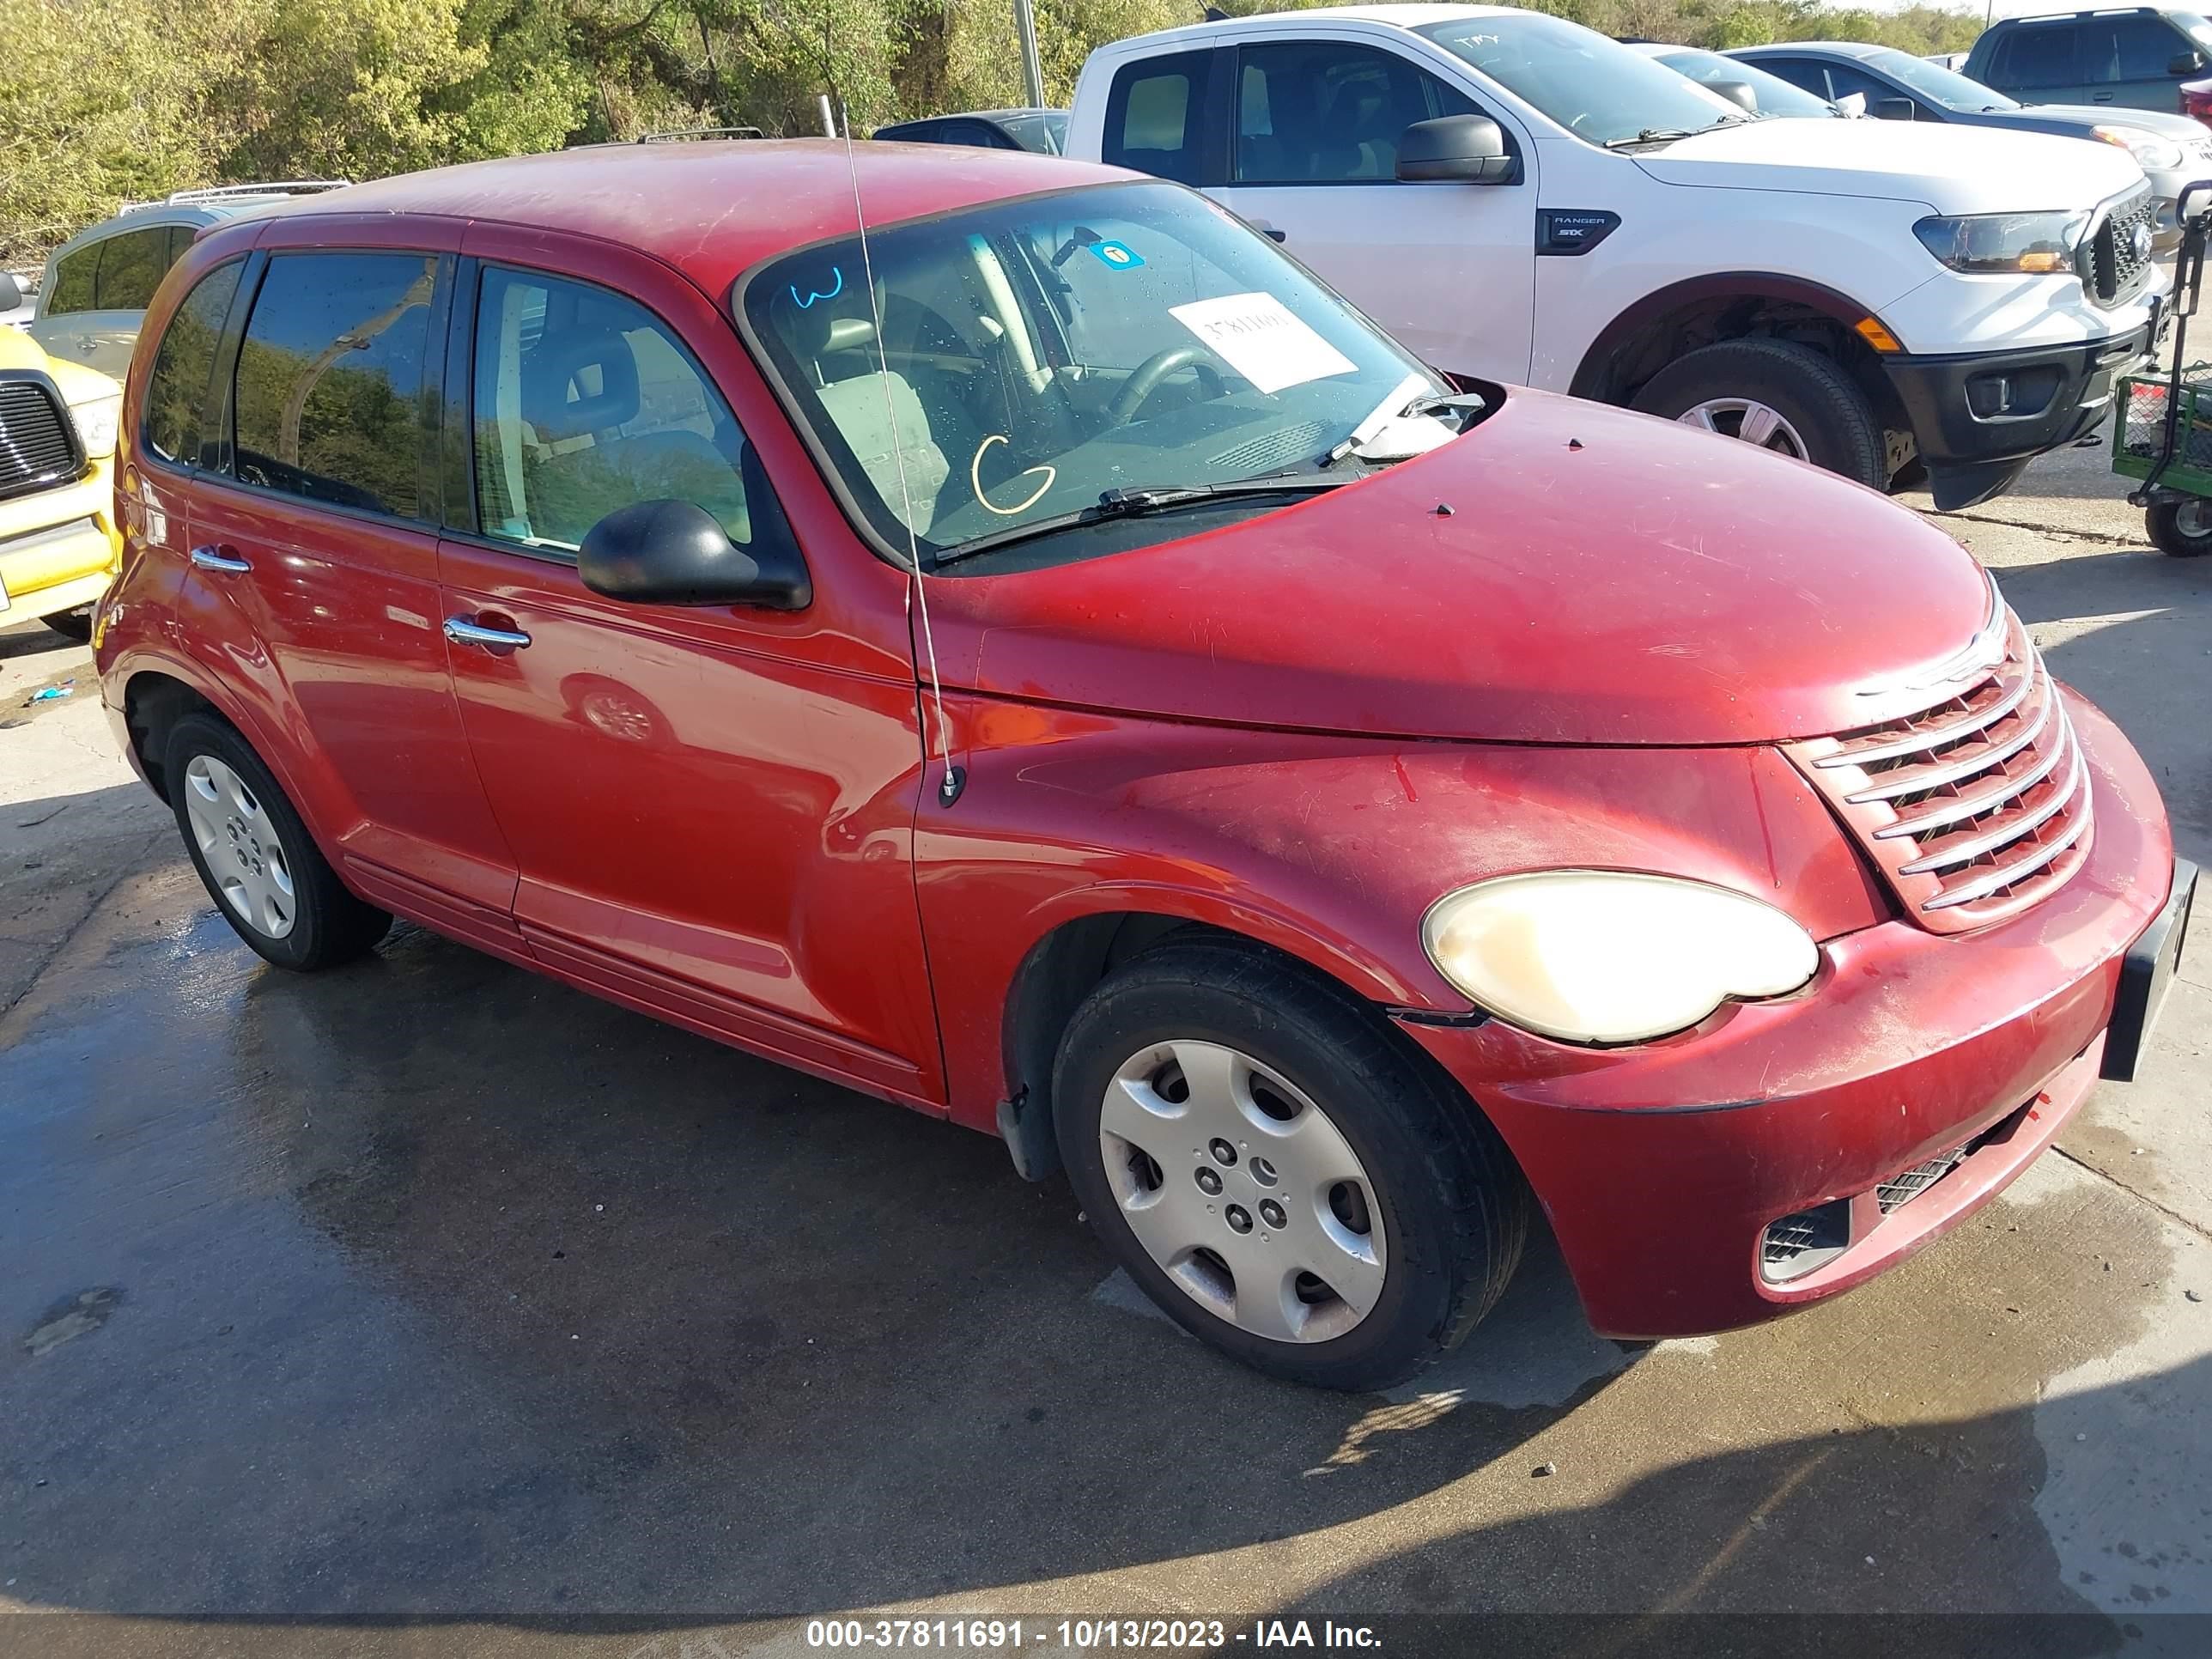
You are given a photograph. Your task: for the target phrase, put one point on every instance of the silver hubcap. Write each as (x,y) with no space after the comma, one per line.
(1238,1185)
(240,847)
(1747,419)
(2193,518)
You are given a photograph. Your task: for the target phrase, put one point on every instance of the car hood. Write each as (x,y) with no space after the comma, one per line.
(76,383)
(1601,577)
(2183,130)
(1951,169)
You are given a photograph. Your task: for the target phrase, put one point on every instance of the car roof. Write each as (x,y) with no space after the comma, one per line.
(1399,16)
(1858,49)
(714,208)
(199,214)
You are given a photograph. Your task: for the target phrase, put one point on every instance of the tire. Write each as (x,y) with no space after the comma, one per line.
(73,624)
(1433,1179)
(260,865)
(2181,530)
(1834,424)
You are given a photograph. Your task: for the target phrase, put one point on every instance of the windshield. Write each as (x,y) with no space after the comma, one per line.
(1773,94)
(1935,83)
(1046,130)
(1595,88)
(1037,354)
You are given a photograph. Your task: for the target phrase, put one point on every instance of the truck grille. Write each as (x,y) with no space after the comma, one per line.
(1975,808)
(2114,262)
(37,445)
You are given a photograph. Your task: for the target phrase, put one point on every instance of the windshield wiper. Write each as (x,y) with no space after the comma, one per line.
(1668,135)
(1467,404)
(1137,502)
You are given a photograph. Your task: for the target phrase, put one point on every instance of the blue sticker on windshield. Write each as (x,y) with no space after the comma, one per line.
(831,293)
(1117,255)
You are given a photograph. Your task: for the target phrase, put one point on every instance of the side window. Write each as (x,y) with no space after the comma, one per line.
(1798,72)
(1156,117)
(1843,80)
(2041,55)
(72,287)
(584,402)
(2115,49)
(176,392)
(131,267)
(1319,111)
(330,378)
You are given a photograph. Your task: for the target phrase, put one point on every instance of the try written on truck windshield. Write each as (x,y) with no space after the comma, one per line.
(1019,361)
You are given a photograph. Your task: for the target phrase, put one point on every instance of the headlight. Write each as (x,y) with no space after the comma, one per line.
(2147,148)
(1981,243)
(95,421)
(1598,956)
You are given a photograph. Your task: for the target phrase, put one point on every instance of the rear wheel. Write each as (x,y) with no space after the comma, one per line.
(73,624)
(1276,1173)
(262,868)
(2183,529)
(1778,395)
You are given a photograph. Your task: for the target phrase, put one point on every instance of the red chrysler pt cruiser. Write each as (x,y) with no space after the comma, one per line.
(1049,662)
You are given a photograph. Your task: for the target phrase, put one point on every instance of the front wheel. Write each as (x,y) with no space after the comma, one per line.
(1281,1179)
(262,868)
(1778,395)
(2181,530)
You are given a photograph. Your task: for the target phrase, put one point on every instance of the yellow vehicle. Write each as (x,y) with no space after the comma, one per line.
(58,544)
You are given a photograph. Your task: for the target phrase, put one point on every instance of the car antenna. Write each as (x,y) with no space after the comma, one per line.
(955,777)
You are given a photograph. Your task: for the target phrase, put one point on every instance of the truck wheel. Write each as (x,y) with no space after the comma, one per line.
(1780,396)
(262,868)
(1284,1182)
(2182,530)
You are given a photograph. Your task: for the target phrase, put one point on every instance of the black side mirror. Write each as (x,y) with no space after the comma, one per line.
(677,553)
(11,291)
(1738,92)
(2184,62)
(1893,109)
(1466,149)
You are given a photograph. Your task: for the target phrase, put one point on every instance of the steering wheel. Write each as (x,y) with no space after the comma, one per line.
(1148,375)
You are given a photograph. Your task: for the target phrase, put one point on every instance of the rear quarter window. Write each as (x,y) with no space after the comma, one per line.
(184,368)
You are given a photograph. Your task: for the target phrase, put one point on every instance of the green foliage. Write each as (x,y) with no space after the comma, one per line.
(104,102)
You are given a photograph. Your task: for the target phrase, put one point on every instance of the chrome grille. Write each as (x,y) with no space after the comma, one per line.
(2112,268)
(1975,808)
(37,445)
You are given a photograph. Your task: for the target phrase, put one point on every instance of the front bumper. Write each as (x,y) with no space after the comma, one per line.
(1661,1166)
(1980,417)
(58,547)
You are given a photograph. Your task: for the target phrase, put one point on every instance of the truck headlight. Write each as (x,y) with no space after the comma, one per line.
(95,421)
(1981,244)
(1603,956)
(2147,148)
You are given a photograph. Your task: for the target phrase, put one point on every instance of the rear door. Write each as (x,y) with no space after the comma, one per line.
(315,553)
(2041,63)
(1447,268)
(712,808)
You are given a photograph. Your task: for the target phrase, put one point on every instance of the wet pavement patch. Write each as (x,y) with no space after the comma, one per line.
(69,1318)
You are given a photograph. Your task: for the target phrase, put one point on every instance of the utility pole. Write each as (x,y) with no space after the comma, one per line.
(1032,71)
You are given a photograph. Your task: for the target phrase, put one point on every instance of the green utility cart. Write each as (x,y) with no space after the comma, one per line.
(2163,433)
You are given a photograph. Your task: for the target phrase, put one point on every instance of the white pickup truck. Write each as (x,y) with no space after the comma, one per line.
(1519,198)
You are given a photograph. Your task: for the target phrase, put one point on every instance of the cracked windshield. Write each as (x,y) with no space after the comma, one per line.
(1033,366)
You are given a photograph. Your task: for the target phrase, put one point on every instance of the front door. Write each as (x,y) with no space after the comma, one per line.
(315,553)
(1447,268)
(712,814)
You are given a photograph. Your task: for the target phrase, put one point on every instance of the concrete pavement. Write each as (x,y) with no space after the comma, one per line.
(429,1288)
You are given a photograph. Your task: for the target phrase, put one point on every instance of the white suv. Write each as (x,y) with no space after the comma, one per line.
(1519,198)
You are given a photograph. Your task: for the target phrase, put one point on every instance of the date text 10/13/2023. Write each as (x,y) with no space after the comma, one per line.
(1086,1634)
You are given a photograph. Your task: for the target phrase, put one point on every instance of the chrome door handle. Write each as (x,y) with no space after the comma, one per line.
(209,558)
(461,631)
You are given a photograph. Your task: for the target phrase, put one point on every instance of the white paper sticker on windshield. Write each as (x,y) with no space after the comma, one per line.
(1256,335)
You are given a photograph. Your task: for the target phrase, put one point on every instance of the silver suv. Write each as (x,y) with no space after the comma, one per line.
(96,285)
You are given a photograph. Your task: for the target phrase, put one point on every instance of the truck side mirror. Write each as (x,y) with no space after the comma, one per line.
(1456,148)
(1738,92)
(11,291)
(2184,62)
(1893,109)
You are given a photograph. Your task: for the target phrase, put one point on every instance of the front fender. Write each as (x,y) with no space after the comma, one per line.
(1327,848)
